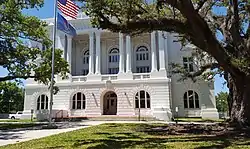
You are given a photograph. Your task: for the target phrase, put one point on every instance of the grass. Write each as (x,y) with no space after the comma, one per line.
(135,136)
(17,125)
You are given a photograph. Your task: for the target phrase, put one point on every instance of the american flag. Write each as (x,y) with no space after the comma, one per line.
(68,7)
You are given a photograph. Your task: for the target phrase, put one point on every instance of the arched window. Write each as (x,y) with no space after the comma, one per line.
(42,102)
(142,60)
(191,100)
(142,99)
(85,61)
(79,101)
(113,61)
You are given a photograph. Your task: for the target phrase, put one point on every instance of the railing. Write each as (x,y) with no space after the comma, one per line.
(109,77)
(112,77)
(141,76)
(79,78)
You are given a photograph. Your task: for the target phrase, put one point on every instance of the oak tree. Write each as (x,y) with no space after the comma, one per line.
(17,56)
(197,22)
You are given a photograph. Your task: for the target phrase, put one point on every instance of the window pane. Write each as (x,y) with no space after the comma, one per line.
(148,97)
(191,68)
(78,104)
(79,98)
(146,56)
(191,103)
(42,105)
(185,104)
(136,103)
(148,103)
(185,66)
(197,105)
(73,102)
(185,96)
(38,103)
(190,93)
(142,94)
(143,103)
(47,102)
(196,96)
(184,59)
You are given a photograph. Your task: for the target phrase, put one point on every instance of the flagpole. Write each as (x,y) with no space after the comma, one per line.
(53,63)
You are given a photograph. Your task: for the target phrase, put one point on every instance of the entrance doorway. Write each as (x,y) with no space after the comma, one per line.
(110,103)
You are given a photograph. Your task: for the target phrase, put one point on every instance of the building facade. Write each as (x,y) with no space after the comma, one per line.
(115,74)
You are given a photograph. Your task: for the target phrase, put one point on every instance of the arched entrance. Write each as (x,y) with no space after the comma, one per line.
(110,103)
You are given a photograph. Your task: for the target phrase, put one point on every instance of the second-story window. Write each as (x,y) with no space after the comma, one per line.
(85,61)
(86,57)
(113,61)
(142,60)
(114,55)
(188,64)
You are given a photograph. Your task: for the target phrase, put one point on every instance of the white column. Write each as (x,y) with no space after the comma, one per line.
(98,53)
(166,34)
(128,52)
(121,52)
(69,52)
(153,52)
(161,51)
(91,53)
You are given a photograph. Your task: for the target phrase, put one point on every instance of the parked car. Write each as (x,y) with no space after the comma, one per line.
(16,116)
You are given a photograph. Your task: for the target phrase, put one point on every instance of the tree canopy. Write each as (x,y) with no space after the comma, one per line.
(16,55)
(197,22)
(11,97)
(221,101)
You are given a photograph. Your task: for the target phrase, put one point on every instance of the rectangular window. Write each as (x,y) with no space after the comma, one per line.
(188,64)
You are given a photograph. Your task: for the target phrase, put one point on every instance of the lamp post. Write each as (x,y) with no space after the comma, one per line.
(176,110)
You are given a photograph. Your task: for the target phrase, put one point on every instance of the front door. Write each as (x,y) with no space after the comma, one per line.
(110,103)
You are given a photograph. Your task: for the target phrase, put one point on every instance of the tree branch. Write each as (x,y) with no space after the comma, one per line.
(200,5)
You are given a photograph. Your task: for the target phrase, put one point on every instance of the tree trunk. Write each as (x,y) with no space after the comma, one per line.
(240,112)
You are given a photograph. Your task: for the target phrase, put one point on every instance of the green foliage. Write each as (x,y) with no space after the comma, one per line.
(11,97)
(221,101)
(16,56)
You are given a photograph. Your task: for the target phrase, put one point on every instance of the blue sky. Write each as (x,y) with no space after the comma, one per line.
(47,12)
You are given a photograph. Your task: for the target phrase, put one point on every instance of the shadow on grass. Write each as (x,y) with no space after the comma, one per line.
(152,136)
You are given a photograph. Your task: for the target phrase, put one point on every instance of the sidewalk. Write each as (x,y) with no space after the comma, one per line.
(20,135)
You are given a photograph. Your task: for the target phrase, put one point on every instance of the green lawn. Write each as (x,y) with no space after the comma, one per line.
(135,136)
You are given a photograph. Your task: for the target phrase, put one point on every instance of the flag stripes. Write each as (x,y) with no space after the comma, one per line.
(68,8)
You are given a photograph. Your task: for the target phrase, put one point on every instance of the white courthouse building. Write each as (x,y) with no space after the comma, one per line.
(112,74)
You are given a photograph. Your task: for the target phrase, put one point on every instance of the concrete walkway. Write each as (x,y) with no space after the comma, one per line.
(24,134)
